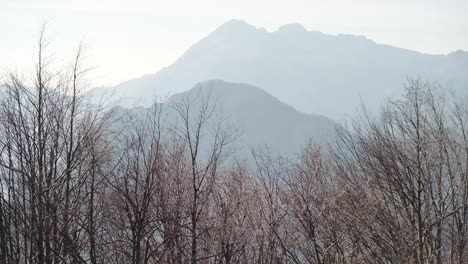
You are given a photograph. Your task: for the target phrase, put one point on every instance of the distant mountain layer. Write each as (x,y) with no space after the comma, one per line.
(256,118)
(311,71)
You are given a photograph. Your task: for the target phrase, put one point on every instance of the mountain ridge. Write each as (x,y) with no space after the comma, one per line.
(312,71)
(261,119)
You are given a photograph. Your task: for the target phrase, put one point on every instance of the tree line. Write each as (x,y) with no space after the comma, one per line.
(76,188)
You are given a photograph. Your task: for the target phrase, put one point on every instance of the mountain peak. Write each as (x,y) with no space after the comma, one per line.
(234,26)
(219,86)
(292,28)
(258,118)
(236,23)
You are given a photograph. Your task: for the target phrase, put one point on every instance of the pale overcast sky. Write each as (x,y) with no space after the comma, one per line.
(128,38)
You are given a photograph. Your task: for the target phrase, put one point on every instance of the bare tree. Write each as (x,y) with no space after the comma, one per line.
(205,139)
(45,132)
(231,235)
(135,183)
(310,194)
(407,168)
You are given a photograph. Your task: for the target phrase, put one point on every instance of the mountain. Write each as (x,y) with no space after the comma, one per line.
(313,72)
(256,118)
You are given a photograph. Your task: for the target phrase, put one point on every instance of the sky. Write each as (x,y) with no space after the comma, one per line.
(125,39)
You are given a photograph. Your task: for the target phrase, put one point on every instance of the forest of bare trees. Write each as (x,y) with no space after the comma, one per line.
(77,188)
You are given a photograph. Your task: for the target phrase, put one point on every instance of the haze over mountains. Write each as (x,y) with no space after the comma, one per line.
(255,118)
(309,70)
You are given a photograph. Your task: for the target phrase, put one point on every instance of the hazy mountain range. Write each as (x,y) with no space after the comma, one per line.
(307,79)
(255,118)
(311,71)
